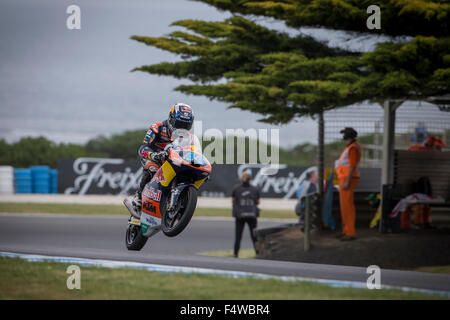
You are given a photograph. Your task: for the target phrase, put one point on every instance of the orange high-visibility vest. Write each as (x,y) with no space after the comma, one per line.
(342,165)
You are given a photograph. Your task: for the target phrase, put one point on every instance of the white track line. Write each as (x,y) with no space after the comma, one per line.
(118,216)
(193,270)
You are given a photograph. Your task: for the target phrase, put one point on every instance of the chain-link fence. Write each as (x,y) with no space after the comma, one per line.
(415,121)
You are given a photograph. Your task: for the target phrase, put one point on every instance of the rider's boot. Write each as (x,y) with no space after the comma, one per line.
(137,200)
(134,203)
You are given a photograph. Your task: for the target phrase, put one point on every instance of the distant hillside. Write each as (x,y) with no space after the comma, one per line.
(41,151)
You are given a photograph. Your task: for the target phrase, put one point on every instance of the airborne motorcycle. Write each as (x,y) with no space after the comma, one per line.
(170,198)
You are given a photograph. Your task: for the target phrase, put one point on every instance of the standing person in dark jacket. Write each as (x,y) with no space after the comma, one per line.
(245,198)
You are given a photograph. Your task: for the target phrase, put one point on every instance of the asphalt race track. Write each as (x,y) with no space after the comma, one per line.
(102,237)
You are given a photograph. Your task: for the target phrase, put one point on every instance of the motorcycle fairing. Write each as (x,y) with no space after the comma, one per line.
(181,159)
(149,224)
(198,183)
(202,164)
(152,196)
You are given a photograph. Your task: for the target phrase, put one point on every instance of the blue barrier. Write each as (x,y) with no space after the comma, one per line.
(23,180)
(36,179)
(54,181)
(41,179)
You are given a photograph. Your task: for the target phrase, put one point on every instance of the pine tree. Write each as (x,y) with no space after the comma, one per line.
(283,77)
(399,17)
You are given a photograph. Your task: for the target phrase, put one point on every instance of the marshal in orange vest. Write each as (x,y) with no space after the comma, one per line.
(349,159)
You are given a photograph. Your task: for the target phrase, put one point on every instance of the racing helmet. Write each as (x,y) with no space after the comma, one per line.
(181,116)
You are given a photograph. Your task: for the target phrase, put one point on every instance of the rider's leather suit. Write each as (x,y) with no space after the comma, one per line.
(157,137)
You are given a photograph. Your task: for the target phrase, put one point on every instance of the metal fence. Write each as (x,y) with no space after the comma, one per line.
(415,121)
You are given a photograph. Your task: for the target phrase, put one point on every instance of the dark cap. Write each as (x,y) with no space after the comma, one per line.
(349,133)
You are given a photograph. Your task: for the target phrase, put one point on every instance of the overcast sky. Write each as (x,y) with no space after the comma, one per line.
(71,85)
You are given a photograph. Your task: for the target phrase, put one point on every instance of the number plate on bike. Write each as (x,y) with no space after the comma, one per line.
(135,221)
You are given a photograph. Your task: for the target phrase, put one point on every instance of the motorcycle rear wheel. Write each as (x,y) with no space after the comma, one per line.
(185,207)
(134,239)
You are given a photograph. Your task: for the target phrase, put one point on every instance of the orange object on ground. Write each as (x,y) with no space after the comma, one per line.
(421,216)
(347,204)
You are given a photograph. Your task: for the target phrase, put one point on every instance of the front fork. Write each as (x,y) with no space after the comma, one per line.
(171,204)
(175,193)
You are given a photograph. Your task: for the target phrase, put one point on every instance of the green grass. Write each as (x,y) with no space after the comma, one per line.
(434,269)
(19,207)
(243,253)
(20,279)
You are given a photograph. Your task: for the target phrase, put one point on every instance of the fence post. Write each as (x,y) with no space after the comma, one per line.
(307,223)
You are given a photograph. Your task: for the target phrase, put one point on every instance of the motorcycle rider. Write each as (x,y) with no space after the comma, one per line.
(151,152)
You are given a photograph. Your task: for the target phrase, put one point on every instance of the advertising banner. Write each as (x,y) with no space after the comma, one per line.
(116,176)
(98,176)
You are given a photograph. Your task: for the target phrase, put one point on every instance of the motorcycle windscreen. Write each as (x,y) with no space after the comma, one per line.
(183,139)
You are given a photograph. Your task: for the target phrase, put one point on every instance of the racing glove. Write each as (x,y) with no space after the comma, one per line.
(159,156)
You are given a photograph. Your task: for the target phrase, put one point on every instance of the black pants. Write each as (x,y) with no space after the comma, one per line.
(240,223)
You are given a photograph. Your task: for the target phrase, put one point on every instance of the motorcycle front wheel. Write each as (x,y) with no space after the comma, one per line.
(134,238)
(182,214)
